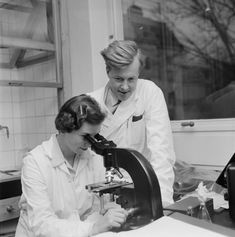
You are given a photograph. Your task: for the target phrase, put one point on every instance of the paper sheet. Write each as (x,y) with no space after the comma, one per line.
(165,227)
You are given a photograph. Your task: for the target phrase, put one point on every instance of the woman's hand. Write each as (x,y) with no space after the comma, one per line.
(110,205)
(115,216)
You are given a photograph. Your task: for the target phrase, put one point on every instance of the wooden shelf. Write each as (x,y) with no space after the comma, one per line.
(21,43)
(6,4)
(30,84)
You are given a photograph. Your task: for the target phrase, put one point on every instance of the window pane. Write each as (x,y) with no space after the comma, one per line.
(189,53)
(27,48)
(28,97)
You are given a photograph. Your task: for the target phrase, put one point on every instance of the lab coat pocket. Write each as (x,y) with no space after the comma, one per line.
(137,127)
(137,118)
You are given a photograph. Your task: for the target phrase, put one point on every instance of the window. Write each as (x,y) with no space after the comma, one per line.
(189,53)
(30,76)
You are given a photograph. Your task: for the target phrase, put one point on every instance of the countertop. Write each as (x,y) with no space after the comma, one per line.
(10,184)
(9,175)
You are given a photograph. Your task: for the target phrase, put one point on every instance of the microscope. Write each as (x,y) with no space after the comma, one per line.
(141,196)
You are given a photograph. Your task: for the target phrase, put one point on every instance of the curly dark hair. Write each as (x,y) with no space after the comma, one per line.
(76,111)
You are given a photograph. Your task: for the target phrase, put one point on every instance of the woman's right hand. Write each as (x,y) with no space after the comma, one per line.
(114,217)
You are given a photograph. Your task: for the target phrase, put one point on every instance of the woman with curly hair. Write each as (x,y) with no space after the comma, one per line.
(54,202)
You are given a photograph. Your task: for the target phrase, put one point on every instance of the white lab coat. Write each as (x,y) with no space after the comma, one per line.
(142,123)
(54,203)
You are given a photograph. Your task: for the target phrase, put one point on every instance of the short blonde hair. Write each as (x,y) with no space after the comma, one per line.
(120,53)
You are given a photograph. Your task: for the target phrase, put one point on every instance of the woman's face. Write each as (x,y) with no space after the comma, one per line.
(76,142)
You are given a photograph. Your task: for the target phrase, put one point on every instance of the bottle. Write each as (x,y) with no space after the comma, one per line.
(203,213)
(189,211)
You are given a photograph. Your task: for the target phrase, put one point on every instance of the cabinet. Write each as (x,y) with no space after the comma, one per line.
(10,191)
(9,208)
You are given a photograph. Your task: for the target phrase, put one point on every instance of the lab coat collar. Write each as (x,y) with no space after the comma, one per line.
(53,151)
(57,159)
(83,160)
(134,97)
(125,110)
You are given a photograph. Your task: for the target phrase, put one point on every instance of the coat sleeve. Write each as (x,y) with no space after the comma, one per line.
(160,142)
(42,219)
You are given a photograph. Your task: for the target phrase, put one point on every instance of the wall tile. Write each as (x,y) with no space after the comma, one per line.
(6,110)
(9,123)
(18,158)
(15,75)
(16,110)
(27,108)
(29,125)
(39,108)
(50,106)
(5,93)
(18,141)
(32,141)
(6,143)
(29,94)
(24,141)
(7,160)
(17,125)
(4,74)
(39,93)
(15,94)
(38,73)
(39,123)
(28,74)
(50,124)
(24,126)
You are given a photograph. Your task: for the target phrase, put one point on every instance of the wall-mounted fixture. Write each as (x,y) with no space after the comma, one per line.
(6,128)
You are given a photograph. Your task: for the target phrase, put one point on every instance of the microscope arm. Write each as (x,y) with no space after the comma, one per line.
(146,186)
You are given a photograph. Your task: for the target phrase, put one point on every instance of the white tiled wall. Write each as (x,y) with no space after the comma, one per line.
(28,112)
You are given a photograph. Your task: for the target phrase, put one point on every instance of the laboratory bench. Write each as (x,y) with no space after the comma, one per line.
(221,220)
(219,224)
(10,192)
